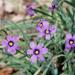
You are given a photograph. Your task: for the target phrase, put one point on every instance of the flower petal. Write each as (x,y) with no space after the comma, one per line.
(33,45)
(44,50)
(45,24)
(9,38)
(68,36)
(11,51)
(41,34)
(38,28)
(40,45)
(47,37)
(15,47)
(41,57)
(53,29)
(15,38)
(33,59)
(67,47)
(4,43)
(29,51)
(31,12)
(74,36)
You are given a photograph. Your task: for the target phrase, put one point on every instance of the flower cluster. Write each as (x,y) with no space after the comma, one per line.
(45,30)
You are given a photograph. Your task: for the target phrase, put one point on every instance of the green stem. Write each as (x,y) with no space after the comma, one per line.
(40,11)
(45,71)
(73,20)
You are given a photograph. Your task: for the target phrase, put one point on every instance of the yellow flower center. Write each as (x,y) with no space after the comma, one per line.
(11,43)
(36,52)
(41,25)
(47,31)
(71,41)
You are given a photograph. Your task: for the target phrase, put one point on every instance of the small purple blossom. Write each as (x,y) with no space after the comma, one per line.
(53,6)
(30,9)
(37,52)
(70,42)
(10,44)
(42,24)
(47,32)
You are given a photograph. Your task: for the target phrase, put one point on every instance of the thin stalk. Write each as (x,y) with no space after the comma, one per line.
(73,20)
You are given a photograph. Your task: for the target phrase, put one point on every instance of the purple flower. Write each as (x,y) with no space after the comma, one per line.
(30,9)
(47,32)
(42,24)
(70,42)
(10,44)
(37,52)
(53,6)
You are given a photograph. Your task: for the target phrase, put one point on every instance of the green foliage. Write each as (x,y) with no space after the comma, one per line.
(65,22)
